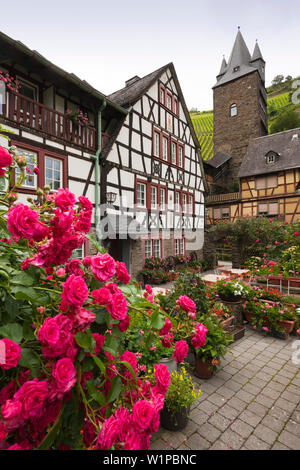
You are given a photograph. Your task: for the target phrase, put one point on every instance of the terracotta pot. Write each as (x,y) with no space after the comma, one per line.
(202,369)
(227,323)
(248,315)
(176,421)
(287,325)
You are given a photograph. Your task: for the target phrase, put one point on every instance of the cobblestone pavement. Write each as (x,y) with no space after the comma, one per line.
(251,403)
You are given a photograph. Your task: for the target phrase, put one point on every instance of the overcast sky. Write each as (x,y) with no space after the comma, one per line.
(107,42)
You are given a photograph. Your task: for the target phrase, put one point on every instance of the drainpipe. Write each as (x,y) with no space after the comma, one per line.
(97,166)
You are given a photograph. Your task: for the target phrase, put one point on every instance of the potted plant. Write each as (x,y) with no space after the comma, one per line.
(231,291)
(180,396)
(209,343)
(224,314)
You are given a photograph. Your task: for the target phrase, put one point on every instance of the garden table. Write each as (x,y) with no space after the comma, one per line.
(211,279)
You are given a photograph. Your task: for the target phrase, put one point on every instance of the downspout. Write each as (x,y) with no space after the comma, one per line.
(97,166)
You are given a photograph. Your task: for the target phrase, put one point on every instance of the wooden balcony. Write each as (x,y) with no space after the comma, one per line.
(22,110)
(220,198)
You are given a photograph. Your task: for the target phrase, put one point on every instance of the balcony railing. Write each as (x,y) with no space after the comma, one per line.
(215,198)
(22,110)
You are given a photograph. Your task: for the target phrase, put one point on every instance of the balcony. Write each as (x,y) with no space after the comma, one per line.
(22,110)
(220,198)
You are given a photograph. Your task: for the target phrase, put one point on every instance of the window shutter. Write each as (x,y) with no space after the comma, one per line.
(262,208)
(273,208)
(260,183)
(271,181)
(217,213)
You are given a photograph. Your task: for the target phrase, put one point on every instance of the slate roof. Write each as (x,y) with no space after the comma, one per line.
(239,57)
(218,159)
(286,144)
(130,94)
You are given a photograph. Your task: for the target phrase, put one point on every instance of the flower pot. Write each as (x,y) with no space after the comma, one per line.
(231,299)
(176,421)
(227,323)
(170,363)
(248,315)
(203,370)
(286,325)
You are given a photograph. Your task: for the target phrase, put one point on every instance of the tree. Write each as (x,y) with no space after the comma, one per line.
(278,79)
(288,119)
(289,77)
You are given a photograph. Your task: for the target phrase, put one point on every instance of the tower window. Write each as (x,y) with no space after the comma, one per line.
(233,109)
(271,158)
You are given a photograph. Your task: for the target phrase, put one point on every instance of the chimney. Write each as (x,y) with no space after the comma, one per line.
(132,80)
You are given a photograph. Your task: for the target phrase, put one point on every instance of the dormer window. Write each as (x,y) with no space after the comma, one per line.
(271,157)
(233,109)
(236,69)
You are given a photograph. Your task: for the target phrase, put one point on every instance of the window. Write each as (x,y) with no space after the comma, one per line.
(269,208)
(265,182)
(179,246)
(222,213)
(154,203)
(148,249)
(53,173)
(174,153)
(78,253)
(162,95)
(165,148)
(28,90)
(236,69)
(157,248)
(233,110)
(191,204)
(177,201)
(184,203)
(271,158)
(225,213)
(156,144)
(175,106)
(31,163)
(180,156)
(169,101)
(141,195)
(162,195)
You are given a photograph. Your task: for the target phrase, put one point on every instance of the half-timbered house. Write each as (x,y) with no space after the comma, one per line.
(59,122)
(269,181)
(154,168)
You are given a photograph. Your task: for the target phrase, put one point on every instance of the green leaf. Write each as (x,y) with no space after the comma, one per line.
(99,363)
(130,368)
(115,389)
(157,320)
(30,361)
(85,341)
(97,245)
(23,278)
(53,433)
(12,331)
(95,395)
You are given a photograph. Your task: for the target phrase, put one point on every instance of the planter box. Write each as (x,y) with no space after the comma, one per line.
(286,325)
(284,281)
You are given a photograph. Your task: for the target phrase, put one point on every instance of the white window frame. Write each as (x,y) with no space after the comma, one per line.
(153,197)
(174,154)
(169,101)
(180,156)
(184,202)
(165,148)
(60,171)
(233,110)
(138,192)
(148,249)
(162,196)
(156,144)
(157,243)
(22,151)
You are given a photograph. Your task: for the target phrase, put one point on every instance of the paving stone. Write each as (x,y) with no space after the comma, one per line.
(208,388)
(290,440)
(247,373)
(293,427)
(173,439)
(245,396)
(279,413)
(273,423)
(237,403)
(217,399)
(254,443)
(190,428)
(219,421)
(242,428)
(216,382)
(263,376)
(283,380)
(229,369)
(196,442)
(208,407)
(279,446)
(183,447)
(232,439)
(270,392)
(241,378)
(209,432)
(285,405)
(250,418)
(265,434)
(296,416)
(276,386)
(253,389)
(229,412)
(258,382)
(198,416)
(220,445)
(159,444)
(290,397)
(224,375)
(226,392)
(257,409)
(293,389)
(233,386)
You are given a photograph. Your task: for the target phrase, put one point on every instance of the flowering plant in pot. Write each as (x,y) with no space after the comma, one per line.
(209,344)
(66,381)
(181,394)
(231,291)
(223,313)
(78,117)
(270,317)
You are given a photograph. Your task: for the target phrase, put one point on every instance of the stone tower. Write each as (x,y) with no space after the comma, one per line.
(240,104)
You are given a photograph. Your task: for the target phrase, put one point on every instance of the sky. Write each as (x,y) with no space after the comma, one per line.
(108,42)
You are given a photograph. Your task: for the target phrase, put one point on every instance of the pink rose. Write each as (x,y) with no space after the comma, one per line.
(118,306)
(75,291)
(32,395)
(167,340)
(99,342)
(11,409)
(3,432)
(73,267)
(82,318)
(187,304)
(108,434)
(64,374)
(162,376)
(198,341)
(166,328)
(64,199)
(60,272)
(124,324)
(148,289)
(142,414)
(181,350)
(5,160)
(103,267)
(22,221)
(122,273)
(101,296)
(12,354)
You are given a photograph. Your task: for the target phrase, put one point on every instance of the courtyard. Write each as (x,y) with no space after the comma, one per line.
(251,403)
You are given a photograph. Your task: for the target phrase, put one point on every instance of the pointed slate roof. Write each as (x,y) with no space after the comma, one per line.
(240,57)
(223,67)
(257,55)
